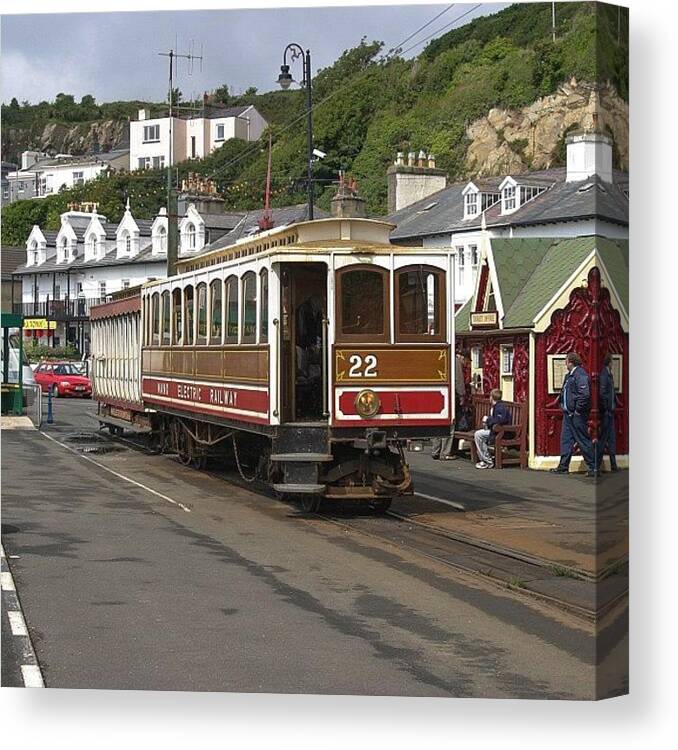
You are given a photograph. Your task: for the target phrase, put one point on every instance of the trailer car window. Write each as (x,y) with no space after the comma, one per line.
(232,308)
(362,308)
(215,307)
(177,317)
(419,312)
(189,315)
(263,307)
(202,313)
(249,320)
(155,307)
(166,317)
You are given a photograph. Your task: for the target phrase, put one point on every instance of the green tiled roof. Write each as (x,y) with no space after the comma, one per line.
(531,271)
(615,257)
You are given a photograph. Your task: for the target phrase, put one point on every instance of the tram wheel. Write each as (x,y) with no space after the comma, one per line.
(381,506)
(310,503)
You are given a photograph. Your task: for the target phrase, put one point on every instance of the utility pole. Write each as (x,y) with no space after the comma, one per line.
(553,21)
(172,208)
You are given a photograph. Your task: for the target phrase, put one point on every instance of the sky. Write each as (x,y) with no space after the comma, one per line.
(114,56)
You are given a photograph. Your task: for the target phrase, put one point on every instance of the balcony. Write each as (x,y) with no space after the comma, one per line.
(60,310)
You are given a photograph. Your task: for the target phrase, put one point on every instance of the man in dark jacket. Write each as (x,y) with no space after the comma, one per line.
(606,407)
(575,401)
(499,414)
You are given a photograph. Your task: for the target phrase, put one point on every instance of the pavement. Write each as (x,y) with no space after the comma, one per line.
(569,521)
(135,572)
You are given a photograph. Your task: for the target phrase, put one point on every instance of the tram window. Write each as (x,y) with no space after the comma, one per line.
(202,313)
(363,304)
(216,312)
(263,307)
(177,318)
(232,310)
(249,308)
(165,337)
(155,308)
(419,312)
(189,314)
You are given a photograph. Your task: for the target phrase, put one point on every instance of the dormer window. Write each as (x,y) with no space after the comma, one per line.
(63,250)
(128,243)
(162,239)
(470,205)
(508,199)
(190,236)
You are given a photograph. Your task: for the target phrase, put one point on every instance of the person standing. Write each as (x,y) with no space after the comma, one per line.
(575,401)
(484,437)
(443,448)
(606,406)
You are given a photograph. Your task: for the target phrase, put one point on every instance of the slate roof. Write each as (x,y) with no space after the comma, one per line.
(10,259)
(531,271)
(226,221)
(248,223)
(214,114)
(443,211)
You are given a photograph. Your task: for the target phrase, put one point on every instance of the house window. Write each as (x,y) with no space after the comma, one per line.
(220,133)
(78,178)
(507,360)
(471,204)
(144,162)
(151,133)
(509,198)
(420,309)
(128,243)
(5,192)
(460,263)
(474,256)
(125,283)
(21,187)
(78,288)
(158,162)
(190,236)
(102,289)
(162,239)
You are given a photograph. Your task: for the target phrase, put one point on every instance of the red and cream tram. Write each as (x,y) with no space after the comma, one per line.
(309,352)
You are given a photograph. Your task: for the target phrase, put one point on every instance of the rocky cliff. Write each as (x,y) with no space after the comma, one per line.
(507,141)
(57,138)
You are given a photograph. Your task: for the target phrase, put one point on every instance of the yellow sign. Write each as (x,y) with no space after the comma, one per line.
(39,324)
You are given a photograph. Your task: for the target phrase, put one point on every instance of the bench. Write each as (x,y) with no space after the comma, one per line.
(513,435)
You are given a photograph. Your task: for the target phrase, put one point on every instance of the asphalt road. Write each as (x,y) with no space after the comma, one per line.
(122,587)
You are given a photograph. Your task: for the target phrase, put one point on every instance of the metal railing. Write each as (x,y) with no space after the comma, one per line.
(57,309)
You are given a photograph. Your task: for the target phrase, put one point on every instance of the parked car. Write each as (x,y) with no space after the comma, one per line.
(62,379)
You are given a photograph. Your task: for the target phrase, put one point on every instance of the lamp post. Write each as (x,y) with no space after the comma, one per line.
(285,80)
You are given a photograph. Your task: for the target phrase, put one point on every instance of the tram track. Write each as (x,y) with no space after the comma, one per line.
(501,568)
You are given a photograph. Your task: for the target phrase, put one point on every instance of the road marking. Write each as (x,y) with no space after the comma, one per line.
(16,623)
(458,506)
(118,474)
(6,581)
(32,676)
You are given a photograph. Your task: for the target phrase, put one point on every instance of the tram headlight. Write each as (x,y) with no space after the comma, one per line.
(367,403)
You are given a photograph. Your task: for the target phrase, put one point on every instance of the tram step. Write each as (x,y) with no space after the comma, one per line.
(301,489)
(304,457)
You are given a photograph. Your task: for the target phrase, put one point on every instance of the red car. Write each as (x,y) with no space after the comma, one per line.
(62,379)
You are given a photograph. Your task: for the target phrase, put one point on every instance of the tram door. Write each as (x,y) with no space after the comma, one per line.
(304,312)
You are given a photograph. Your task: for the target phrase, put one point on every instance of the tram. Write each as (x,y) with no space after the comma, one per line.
(309,354)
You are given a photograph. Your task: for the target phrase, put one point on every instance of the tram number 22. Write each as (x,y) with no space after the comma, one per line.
(362,367)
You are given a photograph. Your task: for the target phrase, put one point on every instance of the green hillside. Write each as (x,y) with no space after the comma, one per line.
(368,106)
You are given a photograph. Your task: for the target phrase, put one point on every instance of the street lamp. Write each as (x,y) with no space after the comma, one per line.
(285,80)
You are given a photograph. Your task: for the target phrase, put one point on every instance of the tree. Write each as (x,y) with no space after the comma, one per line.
(177,96)
(221,95)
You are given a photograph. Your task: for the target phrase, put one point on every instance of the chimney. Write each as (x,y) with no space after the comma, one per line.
(400,158)
(414,181)
(28,158)
(588,153)
(144,114)
(346,203)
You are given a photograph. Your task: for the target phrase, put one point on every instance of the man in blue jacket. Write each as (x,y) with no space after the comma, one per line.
(575,401)
(499,414)
(606,407)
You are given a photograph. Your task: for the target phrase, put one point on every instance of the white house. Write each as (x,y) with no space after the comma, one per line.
(157,142)
(585,197)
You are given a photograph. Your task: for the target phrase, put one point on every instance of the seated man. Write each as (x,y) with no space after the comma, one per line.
(499,414)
